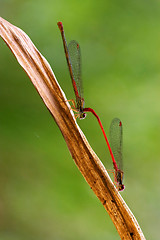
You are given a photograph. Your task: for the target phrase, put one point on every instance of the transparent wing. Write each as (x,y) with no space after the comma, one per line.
(116,141)
(75,59)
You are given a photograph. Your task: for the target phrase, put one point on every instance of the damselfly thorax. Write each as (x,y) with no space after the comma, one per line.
(80,107)
(119,180)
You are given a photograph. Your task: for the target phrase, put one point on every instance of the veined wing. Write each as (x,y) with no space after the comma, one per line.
(116,141)
(75,60)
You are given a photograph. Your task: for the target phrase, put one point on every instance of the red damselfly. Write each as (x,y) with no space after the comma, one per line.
(73,57)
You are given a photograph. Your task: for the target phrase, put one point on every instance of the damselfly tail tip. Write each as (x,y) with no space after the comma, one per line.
(60,25)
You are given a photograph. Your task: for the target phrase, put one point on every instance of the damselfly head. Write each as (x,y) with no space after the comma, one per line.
(121,187)
(82,115)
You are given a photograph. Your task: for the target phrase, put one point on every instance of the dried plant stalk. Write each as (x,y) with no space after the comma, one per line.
(41,75)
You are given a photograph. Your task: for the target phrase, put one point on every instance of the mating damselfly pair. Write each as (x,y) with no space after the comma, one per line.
(73,57)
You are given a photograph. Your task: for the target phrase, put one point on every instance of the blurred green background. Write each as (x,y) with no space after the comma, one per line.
(42,193)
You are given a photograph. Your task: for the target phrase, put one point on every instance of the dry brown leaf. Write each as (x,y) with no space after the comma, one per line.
(41,75)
